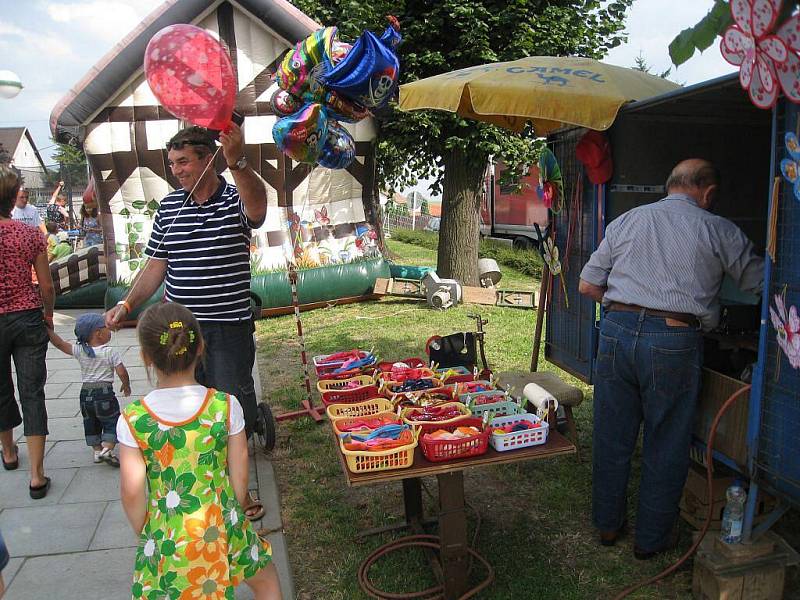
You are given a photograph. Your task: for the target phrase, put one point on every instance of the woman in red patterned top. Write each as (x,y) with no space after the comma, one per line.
(25,314)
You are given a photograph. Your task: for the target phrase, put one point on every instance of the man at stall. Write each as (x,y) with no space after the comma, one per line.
(657,272)
(199,247)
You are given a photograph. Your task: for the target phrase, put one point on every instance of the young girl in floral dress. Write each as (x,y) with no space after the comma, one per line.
(183,455)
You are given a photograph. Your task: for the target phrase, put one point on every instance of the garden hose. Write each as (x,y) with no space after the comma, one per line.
(712,433)
(417,541)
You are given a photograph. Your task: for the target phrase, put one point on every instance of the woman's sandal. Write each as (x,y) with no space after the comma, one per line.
(40,491)
(258,506)
(12,464)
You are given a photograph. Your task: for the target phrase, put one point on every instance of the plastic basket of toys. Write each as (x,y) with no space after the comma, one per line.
(365,423)
(497,402)
(517,431)
(466,436)
(361,457)
(472,387)
(400,376)
(430,397)
(351,383)
(457,374)
(347,361)
(410,363)
(434,416)
(350,395)
(359,409)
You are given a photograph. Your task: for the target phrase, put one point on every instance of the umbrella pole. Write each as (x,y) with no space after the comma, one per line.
(308,410)
(544,290)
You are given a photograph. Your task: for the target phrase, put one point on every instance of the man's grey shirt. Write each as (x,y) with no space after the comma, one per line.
(672,255)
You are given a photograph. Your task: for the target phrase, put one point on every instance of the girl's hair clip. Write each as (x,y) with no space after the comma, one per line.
(191,335)
(181,350)
(176,325)
(164,338)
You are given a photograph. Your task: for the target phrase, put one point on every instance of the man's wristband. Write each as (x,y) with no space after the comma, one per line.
(126,305)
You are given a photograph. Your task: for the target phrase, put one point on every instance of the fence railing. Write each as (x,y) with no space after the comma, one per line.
(393,221)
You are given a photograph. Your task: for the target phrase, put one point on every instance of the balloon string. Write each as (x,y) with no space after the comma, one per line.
(183,205)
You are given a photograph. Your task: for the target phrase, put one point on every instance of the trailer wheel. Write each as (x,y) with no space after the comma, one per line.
(522,243)
(265,427)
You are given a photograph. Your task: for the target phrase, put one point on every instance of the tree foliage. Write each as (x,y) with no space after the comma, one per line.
(444,35)
(72,163)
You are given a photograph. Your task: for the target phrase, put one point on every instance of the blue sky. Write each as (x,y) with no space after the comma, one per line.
(51,45)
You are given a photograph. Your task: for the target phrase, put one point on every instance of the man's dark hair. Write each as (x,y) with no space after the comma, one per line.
(687,174)
(198,137)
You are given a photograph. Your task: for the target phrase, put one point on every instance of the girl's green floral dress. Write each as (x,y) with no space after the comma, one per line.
(196,543)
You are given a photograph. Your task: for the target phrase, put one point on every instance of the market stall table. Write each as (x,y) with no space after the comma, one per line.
(452,515)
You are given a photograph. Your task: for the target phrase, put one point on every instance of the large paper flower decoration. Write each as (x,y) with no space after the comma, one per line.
(787,328)
(750,44)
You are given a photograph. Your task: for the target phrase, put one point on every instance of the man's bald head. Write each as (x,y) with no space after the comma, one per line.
(697,178)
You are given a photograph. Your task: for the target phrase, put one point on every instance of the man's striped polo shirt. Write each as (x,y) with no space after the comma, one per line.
(207,249)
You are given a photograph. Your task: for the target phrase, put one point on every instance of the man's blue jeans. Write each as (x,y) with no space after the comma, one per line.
(228,363)
(646,371)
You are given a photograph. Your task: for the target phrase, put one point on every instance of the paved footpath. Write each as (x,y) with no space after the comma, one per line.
(76,543)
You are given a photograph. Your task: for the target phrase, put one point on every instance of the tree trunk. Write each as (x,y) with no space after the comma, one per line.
(459,230)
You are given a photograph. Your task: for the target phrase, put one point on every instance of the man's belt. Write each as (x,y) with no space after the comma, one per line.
(690,320)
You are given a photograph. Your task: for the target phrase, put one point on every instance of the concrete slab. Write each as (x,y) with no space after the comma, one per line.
(103,574)
(70,453)
(58,375)
(63,407)
(11,569)
(280,556)
(269,493)
(55,390)
(114,530)
(92,484)
(32,530)
(65,428)
(14,488)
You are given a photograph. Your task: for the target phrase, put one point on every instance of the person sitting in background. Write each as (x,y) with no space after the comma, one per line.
(25,213)
(57,244)
(90,226)
(57,208)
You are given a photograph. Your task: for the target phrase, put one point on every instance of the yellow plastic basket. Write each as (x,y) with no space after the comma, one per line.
(359,461)
(345,421)
(465,412)
(325,385)
(359,409)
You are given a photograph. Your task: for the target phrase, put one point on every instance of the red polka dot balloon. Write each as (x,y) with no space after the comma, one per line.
(191,74)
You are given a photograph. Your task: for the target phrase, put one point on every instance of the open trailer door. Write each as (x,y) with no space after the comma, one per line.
(570,334)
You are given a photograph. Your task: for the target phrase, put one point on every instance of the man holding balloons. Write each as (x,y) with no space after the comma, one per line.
(199,248)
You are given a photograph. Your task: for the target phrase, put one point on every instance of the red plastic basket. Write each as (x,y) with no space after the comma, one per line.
(442,450)
(349,396)
(413,363)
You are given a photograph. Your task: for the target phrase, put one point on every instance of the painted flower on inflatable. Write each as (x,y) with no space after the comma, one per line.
(767,60)
(790,167)
(787,327)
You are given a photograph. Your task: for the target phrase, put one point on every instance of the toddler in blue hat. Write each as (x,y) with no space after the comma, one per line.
(99,361)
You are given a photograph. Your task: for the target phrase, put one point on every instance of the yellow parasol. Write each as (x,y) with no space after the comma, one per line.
(549,91)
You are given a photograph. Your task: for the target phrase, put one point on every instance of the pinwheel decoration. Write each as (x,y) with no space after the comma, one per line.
(551,258)
(787,328)
(767,60)
(551,182)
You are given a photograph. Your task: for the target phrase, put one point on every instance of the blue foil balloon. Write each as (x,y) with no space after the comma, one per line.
(339,149)
(302,135)
(367,74)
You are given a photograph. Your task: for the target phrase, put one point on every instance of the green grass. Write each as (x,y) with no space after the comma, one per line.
(535,525)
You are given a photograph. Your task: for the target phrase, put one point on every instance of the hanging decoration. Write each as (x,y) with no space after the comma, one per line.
(790,167)
(551,258)
(551,183)
(322,81)
(787,328)
(768,61)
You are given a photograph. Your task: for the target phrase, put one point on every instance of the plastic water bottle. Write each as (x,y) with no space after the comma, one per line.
(733,515)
